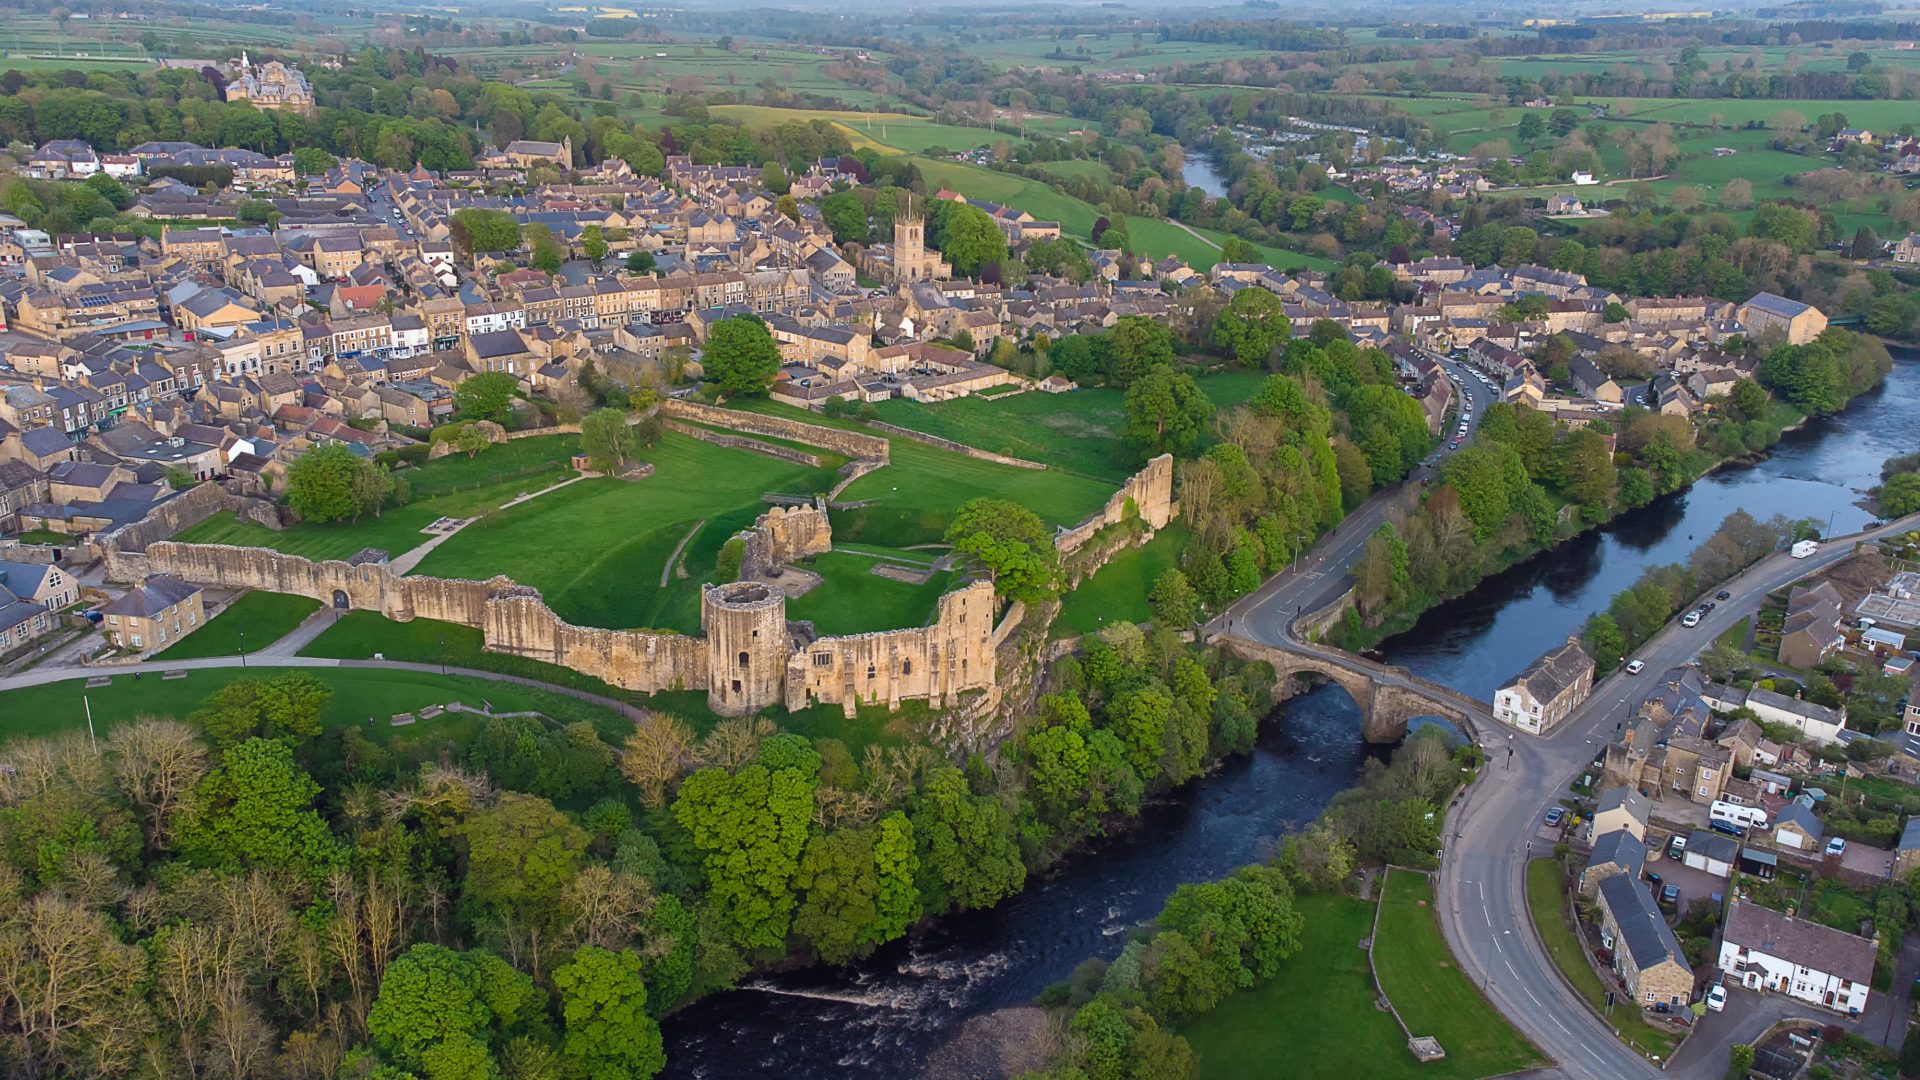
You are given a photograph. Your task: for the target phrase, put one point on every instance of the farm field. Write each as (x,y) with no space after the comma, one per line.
(250,623)
(887,132)
(1151,237)
(359,693)
(654,67)
(1114,52)
(598,550)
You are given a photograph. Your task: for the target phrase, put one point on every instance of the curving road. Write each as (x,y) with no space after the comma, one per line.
(1482,882)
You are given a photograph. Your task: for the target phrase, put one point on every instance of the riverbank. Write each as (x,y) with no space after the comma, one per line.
(1357,636)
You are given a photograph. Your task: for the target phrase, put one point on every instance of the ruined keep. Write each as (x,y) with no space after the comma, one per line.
(745,624)
(784,534)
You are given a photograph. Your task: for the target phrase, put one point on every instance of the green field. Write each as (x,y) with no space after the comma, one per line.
(1117,592)
(1151,237)
(915,495)
(454,486)
(1074,431)
(1547,900)
(889,133)
(1103,52)
(596,550)
(852,599)
(1317,1017)
(1419,976)
(359,693)
(655,68)
(252,623)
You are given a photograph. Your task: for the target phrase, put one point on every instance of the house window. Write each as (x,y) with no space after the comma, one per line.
(136,641)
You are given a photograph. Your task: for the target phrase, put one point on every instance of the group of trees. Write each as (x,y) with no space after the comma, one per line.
(1637,612)
(1823,375)
(1899,492)
(332,483)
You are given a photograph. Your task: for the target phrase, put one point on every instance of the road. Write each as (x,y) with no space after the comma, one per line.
(1482,877)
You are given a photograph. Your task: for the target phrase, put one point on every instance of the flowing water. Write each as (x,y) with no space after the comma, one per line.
(882,1017)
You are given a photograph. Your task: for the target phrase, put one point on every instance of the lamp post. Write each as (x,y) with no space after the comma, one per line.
(243,645)
(443,654)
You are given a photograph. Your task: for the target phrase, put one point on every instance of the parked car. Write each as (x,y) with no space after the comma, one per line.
(1692,619)
(1717,997)
(1729,828)
(1836,847)
(1555,814)
(1670,894)
(1723,595)
(1653,879)
(1635,667)
(1678,847)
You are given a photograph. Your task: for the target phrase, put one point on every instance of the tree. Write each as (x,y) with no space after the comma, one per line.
(969,852)
(477,230)
(659,751)
(1011,542)
(741,355)
(774,178)
(255,809)
(1252,326)
(845,215)
(470,440)
(1737,194)
(593,241)
(1740,1060)
(439,1011)
(1748,398)
(1173,600)
(968,237)
(312,161)
(603,1007)
(639,261)
(1532,126)
(330,483)
(1166,413)
(749,828)
(1899,496)
(607,439)
(547,253)
(1604,641)
(1135,346)
(858,888)
(487,396)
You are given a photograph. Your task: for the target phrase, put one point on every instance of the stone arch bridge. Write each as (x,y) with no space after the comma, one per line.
(1388,696)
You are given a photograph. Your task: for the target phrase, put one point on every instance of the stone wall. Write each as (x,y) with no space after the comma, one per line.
(747,659)
(935,663)
(187,509)
(742,442)
(852,444)
(784,534)
(955,447)
(1150,491)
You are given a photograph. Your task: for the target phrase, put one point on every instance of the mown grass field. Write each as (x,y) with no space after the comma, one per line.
(1077,431)
(914,497)
(1117,592)
(851,599)
(359,693)
(597,549)
(887,132)
(1325,990)
(1103,52)
(1419,976)
(454,486)
(252,622)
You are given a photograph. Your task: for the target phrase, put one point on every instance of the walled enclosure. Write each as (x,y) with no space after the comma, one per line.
(747,660)
(783,534)
(1151,492)
(852,444)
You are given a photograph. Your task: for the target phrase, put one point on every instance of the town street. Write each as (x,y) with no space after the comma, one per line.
(1493,830)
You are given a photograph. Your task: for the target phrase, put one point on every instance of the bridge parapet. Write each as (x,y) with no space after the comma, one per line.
(1389,697)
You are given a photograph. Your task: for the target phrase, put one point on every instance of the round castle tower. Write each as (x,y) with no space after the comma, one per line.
(745,624)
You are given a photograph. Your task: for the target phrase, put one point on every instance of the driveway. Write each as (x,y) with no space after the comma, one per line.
(1748,1015)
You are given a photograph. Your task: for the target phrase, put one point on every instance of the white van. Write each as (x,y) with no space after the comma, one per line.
(1747,817)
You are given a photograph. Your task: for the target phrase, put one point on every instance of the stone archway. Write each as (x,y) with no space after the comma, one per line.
(340,600)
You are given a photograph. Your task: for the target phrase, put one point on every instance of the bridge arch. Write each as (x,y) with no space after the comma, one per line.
(1388,697)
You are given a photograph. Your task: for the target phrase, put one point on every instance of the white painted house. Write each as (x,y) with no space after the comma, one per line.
(1766,950)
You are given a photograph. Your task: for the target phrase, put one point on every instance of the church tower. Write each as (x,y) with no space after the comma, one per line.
(910,245)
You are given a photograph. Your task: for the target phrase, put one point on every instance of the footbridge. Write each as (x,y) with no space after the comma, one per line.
(1388,696)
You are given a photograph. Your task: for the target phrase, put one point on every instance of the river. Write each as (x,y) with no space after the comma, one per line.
(881,1018)
(1198,171)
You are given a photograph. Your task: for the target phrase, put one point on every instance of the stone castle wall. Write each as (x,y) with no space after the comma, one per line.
(851,443)
(742,442)
(747,659)
(950,445)
(187,509)
(784,534)
(1150,491)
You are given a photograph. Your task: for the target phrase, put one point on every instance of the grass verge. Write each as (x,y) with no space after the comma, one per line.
(1547,899)
(252,622)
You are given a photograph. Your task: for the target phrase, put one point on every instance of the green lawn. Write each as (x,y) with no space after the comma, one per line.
(1317,1017)
(1419,976)
(254,622)
(851,599)
(915,496)
(1117,592)
(1547,899)
(358,694)
(596,549)
(43,536)
(454,486)
(1077,431)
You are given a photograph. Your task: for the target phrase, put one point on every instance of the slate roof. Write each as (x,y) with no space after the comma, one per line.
(1643,930)
(1712,845)
(1550,676)
(1778,305)
(1619,848)
(1796,814)
(152,596)
(1808,944)
(1615,798)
